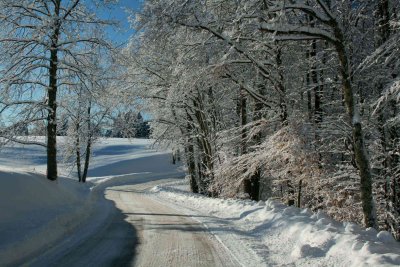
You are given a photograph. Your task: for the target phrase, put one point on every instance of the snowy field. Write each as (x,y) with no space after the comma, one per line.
(36,213)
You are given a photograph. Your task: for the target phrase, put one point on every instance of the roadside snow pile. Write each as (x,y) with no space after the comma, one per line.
(34,212)
(283,235)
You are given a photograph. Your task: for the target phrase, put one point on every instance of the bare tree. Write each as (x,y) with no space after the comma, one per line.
(44,45)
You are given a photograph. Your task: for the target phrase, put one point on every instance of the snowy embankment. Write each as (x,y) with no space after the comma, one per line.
(280,235)
(36,214)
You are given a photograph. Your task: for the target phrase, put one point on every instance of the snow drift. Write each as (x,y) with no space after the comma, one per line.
(282,235)
(35,212)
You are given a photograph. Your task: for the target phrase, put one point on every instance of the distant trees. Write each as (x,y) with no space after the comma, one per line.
(45,48)
(128,125)
(292,99)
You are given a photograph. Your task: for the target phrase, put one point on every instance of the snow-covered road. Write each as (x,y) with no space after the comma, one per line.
(166,237)
(140,231)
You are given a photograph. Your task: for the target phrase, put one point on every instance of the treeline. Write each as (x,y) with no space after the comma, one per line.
(127,125)
(291,99)
(122,125)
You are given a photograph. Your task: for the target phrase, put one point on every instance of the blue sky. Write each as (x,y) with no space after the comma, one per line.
(118,13)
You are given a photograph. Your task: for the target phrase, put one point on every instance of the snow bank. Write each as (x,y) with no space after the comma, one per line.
(282,235)
(34,212)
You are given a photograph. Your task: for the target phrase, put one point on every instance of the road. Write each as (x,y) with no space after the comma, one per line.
(143,232)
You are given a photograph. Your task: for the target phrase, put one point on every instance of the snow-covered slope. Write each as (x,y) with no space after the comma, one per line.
(283,236)
(36,213)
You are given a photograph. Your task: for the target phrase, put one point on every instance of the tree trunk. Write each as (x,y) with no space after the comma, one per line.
(78,152)
(52,100)
(88,144)
(194,186)
(360,153)
(290,199)
(243,121)
(87,159)
(52,131)
(251,186)
(202,178)
(204,145)
(299,194)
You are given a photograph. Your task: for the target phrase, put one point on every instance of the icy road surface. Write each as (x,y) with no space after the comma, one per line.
(143,232)
(165,236)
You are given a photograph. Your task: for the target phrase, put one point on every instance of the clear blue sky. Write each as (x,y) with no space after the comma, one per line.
(118,12)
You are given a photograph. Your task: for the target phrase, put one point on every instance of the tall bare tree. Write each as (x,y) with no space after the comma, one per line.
(44,45)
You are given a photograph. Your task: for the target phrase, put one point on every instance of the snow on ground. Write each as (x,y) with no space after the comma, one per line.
(121,157)
(283,236)
(111,156)
(35,212)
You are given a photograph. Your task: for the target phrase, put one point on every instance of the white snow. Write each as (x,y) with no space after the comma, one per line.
(281,235)
(35,213)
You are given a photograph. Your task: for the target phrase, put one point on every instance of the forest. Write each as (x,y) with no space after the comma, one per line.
(296,100)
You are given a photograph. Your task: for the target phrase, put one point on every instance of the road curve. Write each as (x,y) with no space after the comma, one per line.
(165,236)
(143,232)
